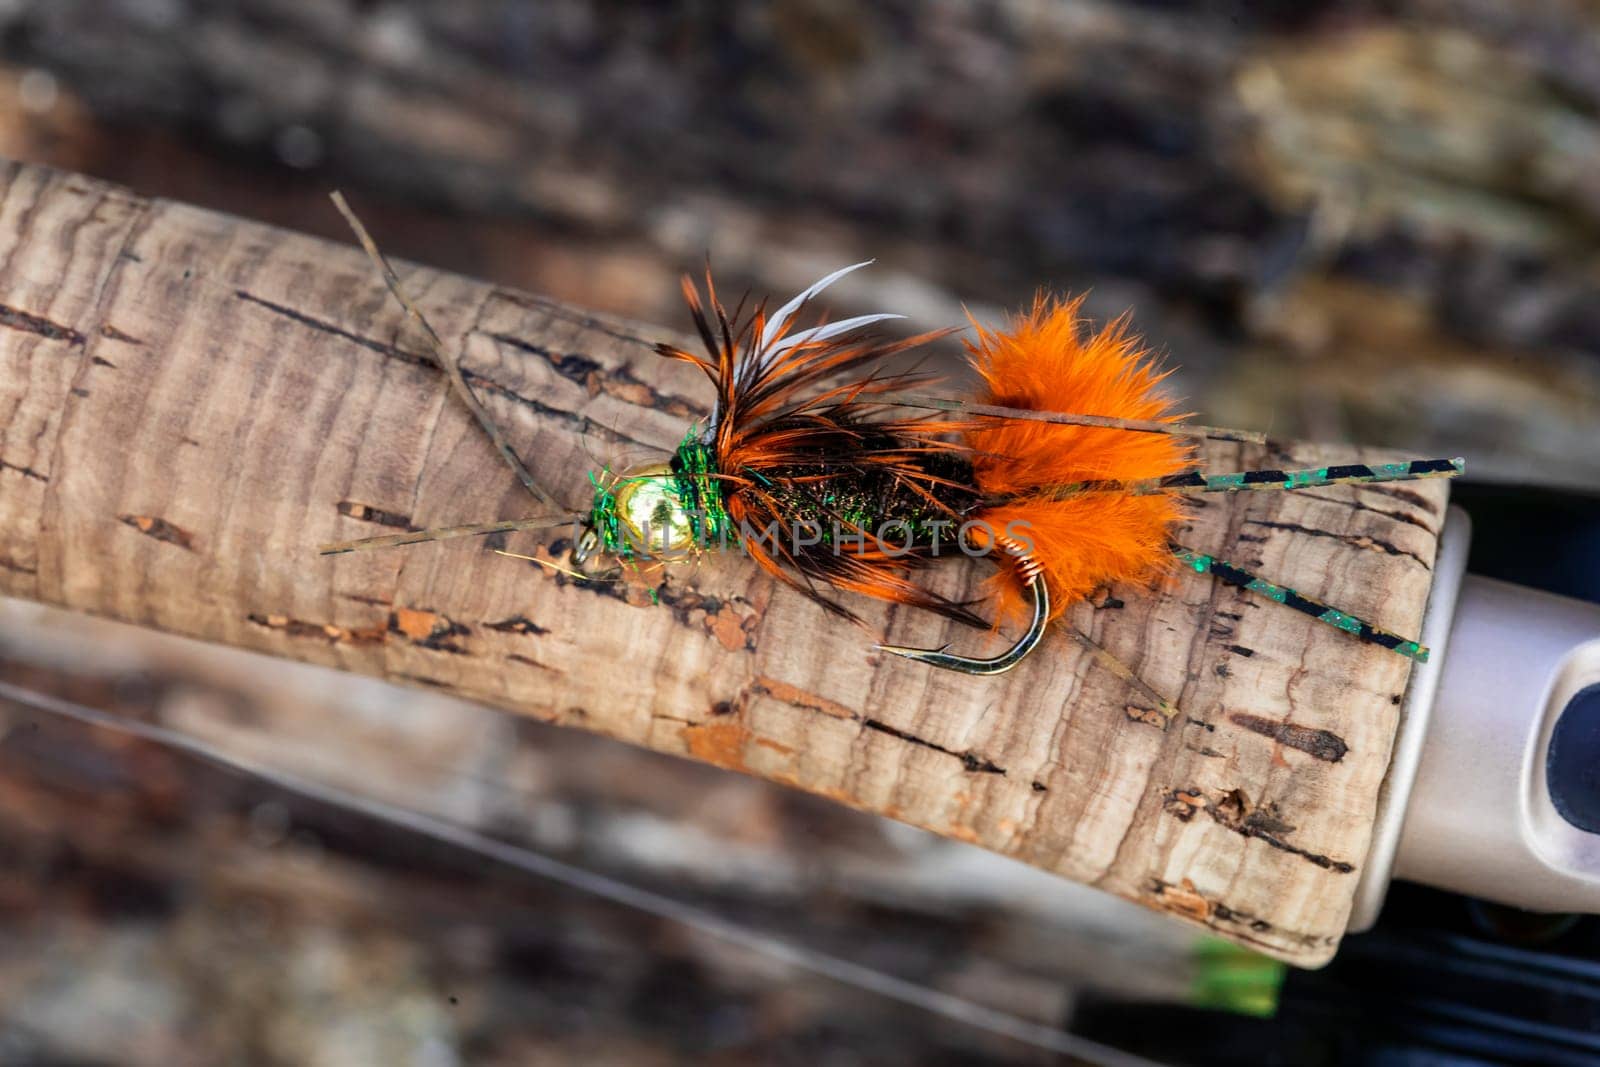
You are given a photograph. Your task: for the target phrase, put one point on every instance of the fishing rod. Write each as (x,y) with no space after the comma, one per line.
(1494,783)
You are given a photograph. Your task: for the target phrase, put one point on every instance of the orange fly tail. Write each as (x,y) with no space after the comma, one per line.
(1045,361)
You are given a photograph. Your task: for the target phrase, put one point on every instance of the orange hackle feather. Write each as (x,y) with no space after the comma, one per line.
(1047,360)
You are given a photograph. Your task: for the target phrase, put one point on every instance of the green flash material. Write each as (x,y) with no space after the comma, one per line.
(664,510)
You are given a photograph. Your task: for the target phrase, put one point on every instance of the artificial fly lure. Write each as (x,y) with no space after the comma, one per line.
(1069,470)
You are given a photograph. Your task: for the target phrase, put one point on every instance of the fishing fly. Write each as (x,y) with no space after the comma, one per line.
(1069,469)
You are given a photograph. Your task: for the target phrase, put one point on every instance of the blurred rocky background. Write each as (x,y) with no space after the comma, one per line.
(1363,220)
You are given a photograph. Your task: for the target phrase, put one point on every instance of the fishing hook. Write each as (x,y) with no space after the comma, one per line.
(1033,580)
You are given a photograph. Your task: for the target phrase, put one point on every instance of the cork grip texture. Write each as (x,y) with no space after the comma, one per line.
(192,403)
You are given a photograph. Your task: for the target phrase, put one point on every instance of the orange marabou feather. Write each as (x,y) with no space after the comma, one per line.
(1046,360)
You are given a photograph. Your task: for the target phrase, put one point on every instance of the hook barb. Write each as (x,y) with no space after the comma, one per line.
(940,657)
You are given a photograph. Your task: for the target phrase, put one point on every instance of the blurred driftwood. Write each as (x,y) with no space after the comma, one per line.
(194,402)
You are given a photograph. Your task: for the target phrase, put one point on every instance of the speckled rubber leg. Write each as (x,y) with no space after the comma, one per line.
(1201,563)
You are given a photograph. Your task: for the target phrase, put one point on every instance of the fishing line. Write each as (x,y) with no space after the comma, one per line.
(844,971)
